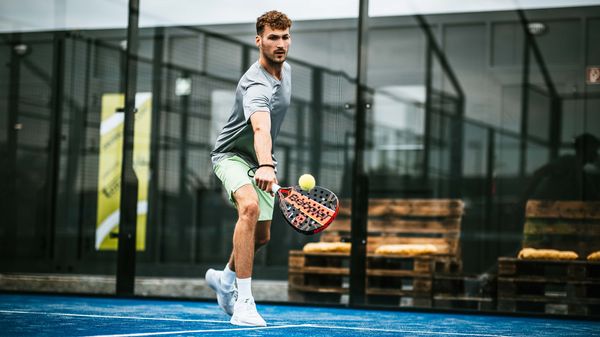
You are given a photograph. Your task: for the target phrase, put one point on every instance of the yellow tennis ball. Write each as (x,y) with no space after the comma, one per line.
(307,182)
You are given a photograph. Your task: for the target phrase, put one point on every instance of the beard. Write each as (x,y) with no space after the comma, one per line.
(275,58)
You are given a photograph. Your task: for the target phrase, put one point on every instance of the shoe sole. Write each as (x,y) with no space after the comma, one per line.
(240,323)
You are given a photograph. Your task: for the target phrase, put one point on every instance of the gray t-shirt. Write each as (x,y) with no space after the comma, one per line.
(257,90)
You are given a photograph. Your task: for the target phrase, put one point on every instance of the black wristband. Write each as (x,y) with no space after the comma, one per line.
(253,169)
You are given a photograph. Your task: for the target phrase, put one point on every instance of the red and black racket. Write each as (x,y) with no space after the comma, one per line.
(308,212)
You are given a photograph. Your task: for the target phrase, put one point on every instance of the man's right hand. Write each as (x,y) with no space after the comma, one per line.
(265,177)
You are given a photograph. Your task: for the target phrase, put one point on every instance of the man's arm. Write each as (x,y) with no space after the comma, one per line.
(263,145)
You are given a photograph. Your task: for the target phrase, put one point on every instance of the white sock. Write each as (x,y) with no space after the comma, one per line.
(244,288)
(227,278)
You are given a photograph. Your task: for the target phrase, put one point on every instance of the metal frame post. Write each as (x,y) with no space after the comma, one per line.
(129,183)
(154,204)
(316,118)
(360,193)
(8,202)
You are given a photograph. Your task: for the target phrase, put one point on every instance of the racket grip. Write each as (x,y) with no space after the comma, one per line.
(275,188)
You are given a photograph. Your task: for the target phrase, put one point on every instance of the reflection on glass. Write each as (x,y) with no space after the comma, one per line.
(398,119)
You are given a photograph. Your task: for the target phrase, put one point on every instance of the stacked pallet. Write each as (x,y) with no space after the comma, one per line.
(556,287)
(460,291)
(398,279)
(546,284)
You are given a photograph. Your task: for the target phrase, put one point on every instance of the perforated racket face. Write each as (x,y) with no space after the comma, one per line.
(308,212)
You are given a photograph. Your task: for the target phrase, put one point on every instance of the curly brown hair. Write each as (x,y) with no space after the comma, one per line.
(273,19)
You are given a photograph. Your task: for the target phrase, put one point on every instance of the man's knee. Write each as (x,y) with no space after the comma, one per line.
(247,203)
(249,209)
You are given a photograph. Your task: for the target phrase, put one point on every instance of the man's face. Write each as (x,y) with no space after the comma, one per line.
(274,44)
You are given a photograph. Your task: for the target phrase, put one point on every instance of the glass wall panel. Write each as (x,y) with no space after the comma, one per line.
(51,137)
(487,113)
(192,72)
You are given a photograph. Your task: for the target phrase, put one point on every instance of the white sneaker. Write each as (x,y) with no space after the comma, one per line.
(244,313)
(225,298)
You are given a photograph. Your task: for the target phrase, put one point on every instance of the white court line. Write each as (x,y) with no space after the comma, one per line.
(197,331)
(421,332)
(300,326)
(108,316)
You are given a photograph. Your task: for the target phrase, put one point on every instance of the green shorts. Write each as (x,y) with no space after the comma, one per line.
(233,173)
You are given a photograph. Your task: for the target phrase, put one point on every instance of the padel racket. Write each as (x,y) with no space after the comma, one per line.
(308,212)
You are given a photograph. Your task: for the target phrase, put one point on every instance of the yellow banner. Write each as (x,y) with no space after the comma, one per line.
(109,171)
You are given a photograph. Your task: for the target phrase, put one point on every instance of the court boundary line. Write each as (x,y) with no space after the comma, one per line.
(199,331)
(404,331)
(316,326)
(111,316)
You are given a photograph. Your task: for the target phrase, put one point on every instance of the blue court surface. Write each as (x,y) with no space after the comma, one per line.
(49,315)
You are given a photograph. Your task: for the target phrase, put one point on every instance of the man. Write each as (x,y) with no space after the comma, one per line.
(569,177)
(246,143)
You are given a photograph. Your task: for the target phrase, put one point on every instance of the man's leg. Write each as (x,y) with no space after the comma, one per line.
(243,236)
(244,312)
(252,230)
(262,235)
(223,281)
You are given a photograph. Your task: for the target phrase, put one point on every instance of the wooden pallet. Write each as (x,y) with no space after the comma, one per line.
(405,221)
(548,306)
(400,281)
(453,291)
(558,287)
(390,279)
(565,270)
(319,277)
(563,225)
(412,221)
(550,288)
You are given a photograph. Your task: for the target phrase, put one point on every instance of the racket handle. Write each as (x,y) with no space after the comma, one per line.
(275,188)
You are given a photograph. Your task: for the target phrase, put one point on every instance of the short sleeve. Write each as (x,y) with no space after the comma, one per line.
(256,98)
